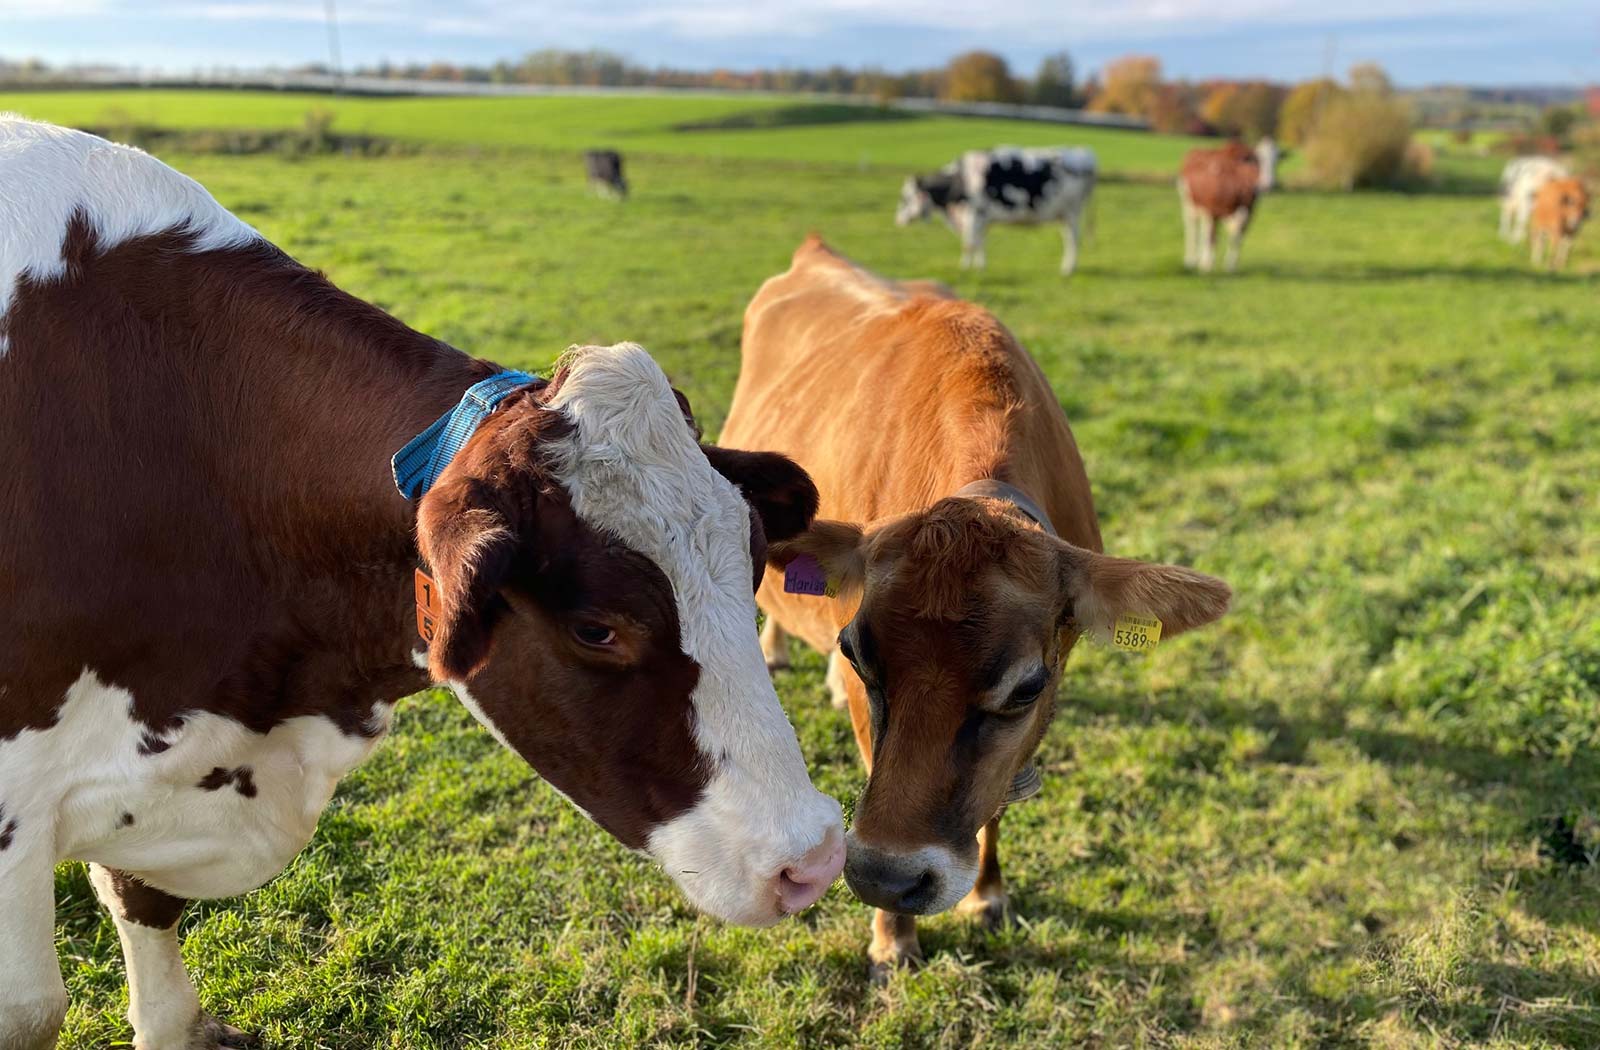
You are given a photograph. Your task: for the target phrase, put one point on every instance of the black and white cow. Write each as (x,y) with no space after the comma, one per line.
(604,168)
(1004,185)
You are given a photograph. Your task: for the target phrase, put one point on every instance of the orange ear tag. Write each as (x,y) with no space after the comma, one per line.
(429,609)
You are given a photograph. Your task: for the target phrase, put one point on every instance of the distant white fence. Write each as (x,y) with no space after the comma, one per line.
(352,85)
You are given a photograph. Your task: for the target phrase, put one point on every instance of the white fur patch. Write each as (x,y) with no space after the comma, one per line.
(47,173)
(633,470)
(84,773)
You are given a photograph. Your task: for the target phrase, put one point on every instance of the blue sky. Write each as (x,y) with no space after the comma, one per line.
(1419,41)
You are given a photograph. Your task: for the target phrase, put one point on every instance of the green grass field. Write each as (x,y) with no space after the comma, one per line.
(1361,811)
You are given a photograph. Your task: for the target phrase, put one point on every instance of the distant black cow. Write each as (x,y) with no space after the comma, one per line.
(604,167)
(1004,185)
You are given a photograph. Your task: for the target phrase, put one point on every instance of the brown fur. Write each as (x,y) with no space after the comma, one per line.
(1222,181)
(894,397)
(1559,212)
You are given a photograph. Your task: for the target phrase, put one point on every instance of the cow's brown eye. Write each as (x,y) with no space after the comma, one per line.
(594,635)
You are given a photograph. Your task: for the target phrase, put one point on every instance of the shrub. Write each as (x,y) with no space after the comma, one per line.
(1586,149)
(1360,139)
(1302,108)
(979,76)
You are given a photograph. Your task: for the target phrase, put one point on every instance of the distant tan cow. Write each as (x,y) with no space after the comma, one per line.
(963,557)
(1559,211)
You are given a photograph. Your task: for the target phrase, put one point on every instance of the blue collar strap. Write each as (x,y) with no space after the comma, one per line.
(419,464)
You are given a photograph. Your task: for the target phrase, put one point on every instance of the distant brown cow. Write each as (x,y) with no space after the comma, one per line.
(1219,185)
(964,560)
(1558,211)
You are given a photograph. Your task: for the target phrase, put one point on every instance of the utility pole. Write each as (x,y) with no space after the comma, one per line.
(333,47)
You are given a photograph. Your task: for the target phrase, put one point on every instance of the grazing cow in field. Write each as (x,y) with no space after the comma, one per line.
(604,168)
(219,578)
(960,565)
(1520,183)
(1559,212)
(1220,185)
(1005,185)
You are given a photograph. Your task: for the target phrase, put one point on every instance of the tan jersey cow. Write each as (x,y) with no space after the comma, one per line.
(963,552)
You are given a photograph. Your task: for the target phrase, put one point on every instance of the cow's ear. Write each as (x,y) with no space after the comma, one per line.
(472,524)
(782,494)
(1101,589)
(469,545)
(838,547)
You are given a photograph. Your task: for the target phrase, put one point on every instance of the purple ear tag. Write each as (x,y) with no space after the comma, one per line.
(805,576)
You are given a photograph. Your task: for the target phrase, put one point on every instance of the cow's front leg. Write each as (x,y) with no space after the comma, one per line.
(1207,235)
(1069,246)
(775,645)
(1563,249)
(33,1001)
(988,901)
(162,1004)
(1236,225)
(894,944)
(838,692)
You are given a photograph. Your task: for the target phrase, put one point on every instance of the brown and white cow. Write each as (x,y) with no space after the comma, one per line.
(963,550)
(212,597)
(1559,210)
(1221,185)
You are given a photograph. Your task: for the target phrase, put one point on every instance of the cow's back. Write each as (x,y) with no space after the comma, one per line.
(892,396)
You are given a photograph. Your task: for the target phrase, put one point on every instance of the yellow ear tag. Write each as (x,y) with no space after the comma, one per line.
(1136,634)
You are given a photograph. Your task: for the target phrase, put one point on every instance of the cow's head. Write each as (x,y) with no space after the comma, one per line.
(915,203)
(1571,203)
(1267,156)
(597,569)
(956,622)
(923,196)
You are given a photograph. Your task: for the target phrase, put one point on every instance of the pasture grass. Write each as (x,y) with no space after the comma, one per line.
(1363,810)
(793,129)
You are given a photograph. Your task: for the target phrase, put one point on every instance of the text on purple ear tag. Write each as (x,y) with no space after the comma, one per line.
(805,576)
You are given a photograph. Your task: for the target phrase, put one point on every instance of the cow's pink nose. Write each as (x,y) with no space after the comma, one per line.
(802,884)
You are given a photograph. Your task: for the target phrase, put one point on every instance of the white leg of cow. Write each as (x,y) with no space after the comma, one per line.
(1069,249)
(1235,225)
(162,1004)
(1520,213)
(835,679)
(1206,234)
(1186,212)
(1536,248)
(775,645)
(1563,249)
(1506,207)
(33,1001)
(972,240)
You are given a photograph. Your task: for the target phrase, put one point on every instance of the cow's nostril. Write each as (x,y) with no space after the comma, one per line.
(803,883)
(915,897)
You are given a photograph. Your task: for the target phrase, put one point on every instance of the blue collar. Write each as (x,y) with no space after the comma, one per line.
(419,464)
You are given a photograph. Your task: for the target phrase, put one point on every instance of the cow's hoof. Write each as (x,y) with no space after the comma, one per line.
(883,965)
(215,1035)
(992,912)
(774,666)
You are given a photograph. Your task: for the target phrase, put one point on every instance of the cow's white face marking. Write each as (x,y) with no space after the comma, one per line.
(48,173)
(633,470)
(83,773)
(915,204)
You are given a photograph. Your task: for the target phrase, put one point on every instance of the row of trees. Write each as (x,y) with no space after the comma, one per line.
(977,76)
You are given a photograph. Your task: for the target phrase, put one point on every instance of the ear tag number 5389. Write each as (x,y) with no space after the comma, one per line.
(1136,634)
